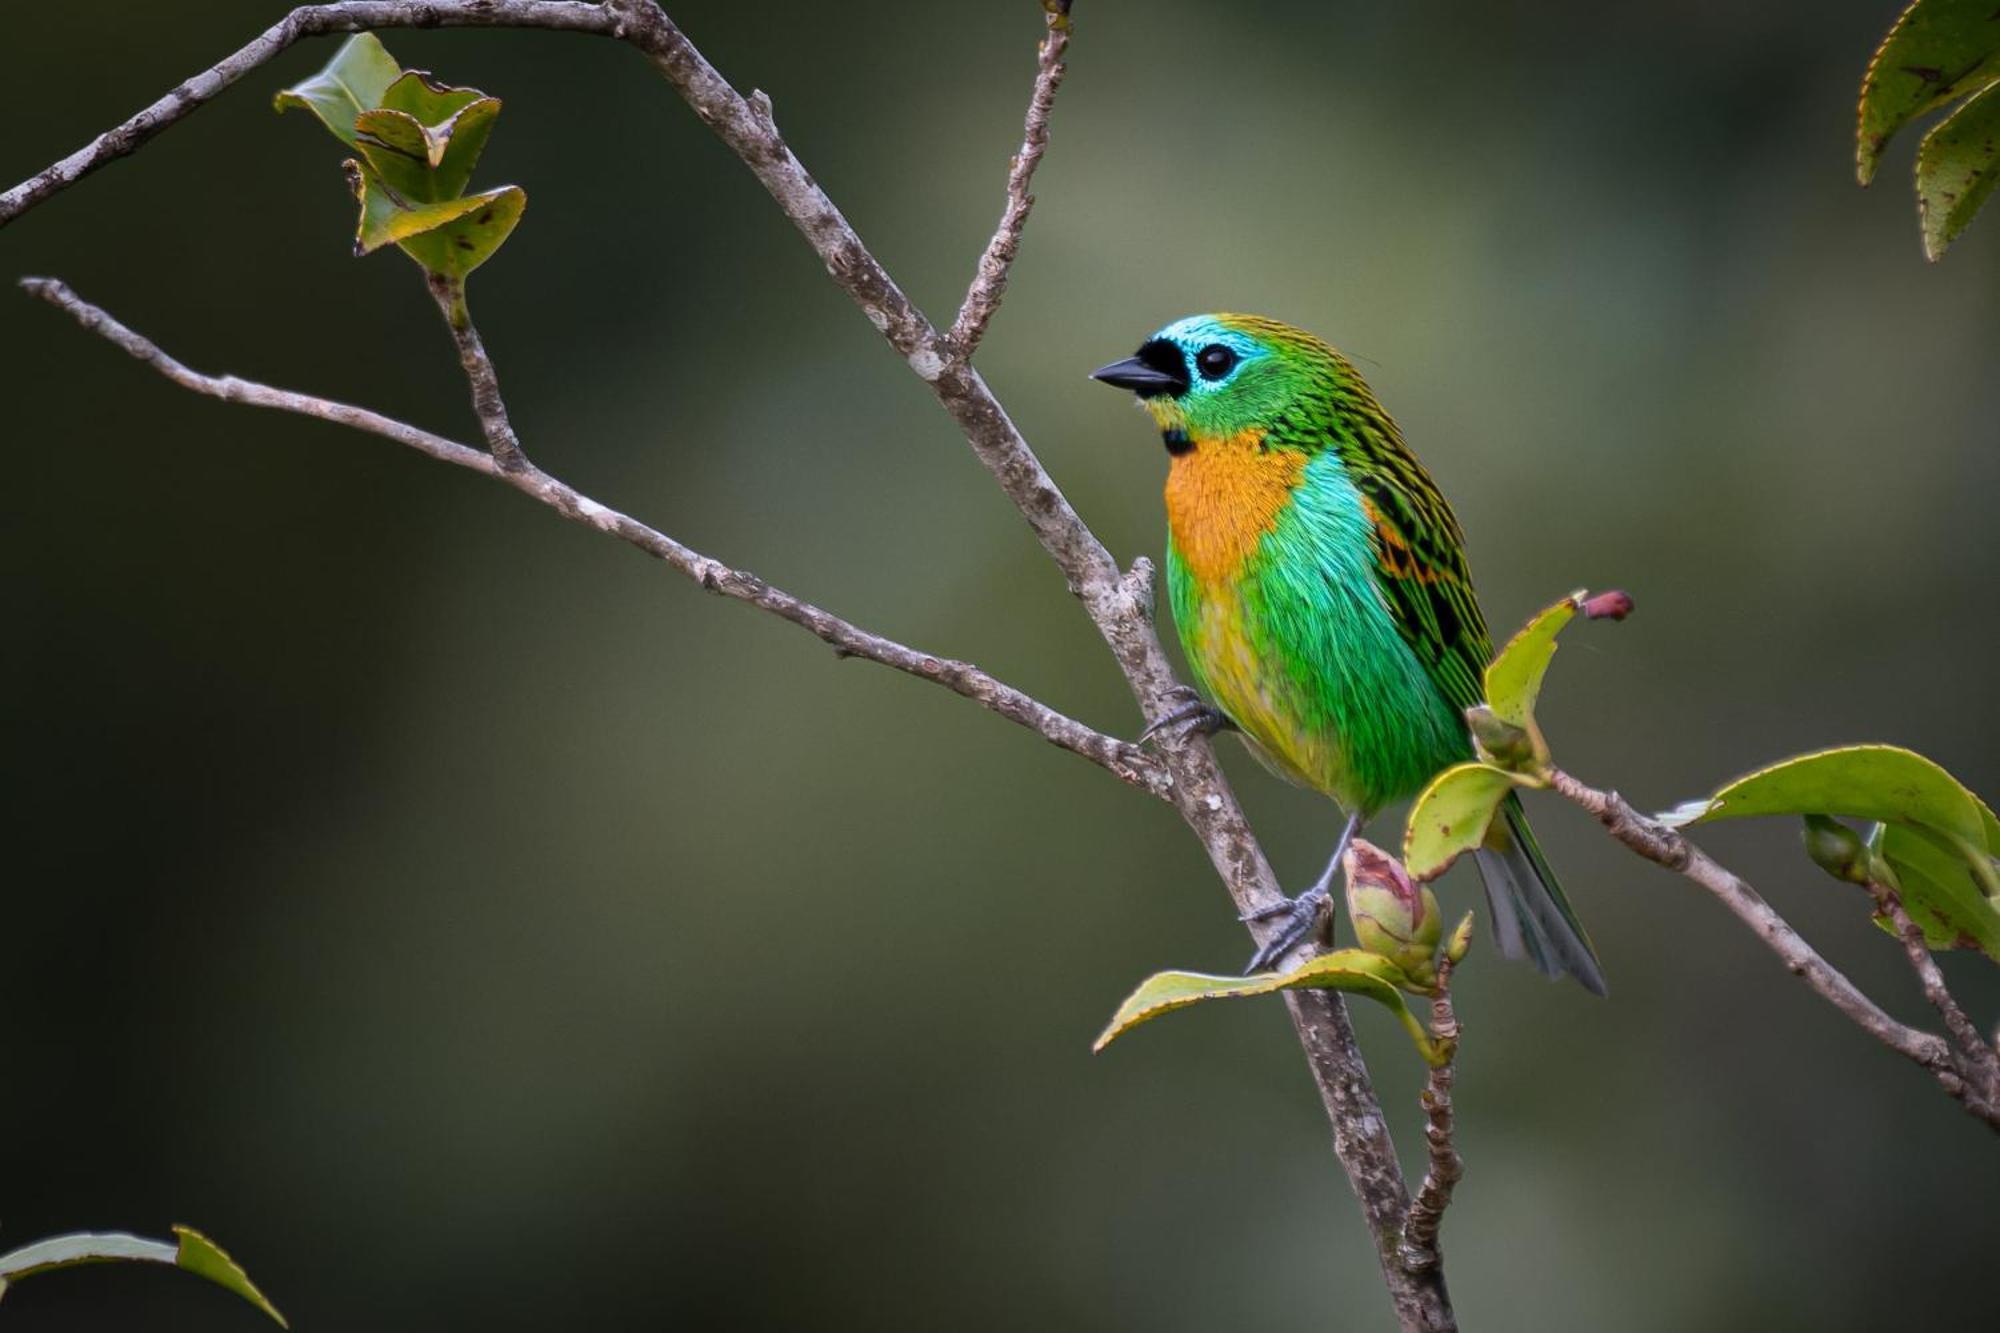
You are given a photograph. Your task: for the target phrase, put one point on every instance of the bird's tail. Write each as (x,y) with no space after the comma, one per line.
(1531,918)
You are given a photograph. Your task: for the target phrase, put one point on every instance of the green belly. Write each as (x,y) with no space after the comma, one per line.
(1300,650)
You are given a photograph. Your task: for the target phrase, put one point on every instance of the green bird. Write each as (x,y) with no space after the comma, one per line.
(1319,584)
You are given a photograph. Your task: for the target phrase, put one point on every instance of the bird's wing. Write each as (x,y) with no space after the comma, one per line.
(1420,564)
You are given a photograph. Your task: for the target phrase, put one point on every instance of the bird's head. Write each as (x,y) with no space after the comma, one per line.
(1210,377)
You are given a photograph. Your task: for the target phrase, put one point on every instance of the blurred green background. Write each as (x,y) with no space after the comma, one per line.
(470,924)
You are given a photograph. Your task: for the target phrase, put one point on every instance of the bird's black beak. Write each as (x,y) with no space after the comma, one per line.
(1158,369)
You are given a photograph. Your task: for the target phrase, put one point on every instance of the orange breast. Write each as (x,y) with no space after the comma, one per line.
(1223,496)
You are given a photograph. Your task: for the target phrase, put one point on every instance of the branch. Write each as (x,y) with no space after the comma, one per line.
(1119,603)
(1666,847)
(1420,1230)
(1983,1062)
(305,21)
(487,404)
(1121,608)
(1128,762)
(989,282)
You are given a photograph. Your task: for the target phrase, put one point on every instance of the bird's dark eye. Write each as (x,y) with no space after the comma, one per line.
(1214,361)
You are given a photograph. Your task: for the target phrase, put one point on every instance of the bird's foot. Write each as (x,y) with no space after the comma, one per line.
(1308,914)
(1194,717)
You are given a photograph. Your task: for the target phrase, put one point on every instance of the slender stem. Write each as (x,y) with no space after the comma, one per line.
(1420,1248)
(479,373)
(230,389)
(989,282)
(1666,847)
(1982,1061)
(1127,762)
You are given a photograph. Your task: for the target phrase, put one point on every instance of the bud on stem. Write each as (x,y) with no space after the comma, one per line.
(1394,918)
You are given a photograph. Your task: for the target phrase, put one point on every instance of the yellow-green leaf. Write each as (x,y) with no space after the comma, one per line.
(470,239)
(395,145)
(1355,971)
(464,139)
(1957,168)
(428,161)
(1514,679)
(1452,816)
(450,238)
(387,216)
(195,1253)
(1939,51)
(354,81)
(426,100)
(200,1255)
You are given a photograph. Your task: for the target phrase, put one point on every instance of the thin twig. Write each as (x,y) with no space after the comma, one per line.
(487,404)
(1420,1229)
(1119,603)
(306,21)
(989,282)
(1983,1061)
(1127,761)
(1666,847)
(233,390)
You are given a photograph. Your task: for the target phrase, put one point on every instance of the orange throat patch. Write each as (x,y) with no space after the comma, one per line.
(1223,495)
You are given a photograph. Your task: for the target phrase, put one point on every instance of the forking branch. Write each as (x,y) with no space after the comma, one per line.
(1966,1067)
(1119,602)
(1126,761)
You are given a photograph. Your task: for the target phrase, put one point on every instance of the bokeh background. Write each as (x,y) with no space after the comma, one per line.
(472,925)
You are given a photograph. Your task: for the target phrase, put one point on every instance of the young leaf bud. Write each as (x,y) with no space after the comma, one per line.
(1393,917)
(1460,942)
(1507,745)
(1836,849)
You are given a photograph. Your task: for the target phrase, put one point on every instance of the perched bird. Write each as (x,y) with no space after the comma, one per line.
(1319,584)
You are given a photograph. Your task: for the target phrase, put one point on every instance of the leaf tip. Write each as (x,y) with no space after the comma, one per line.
(203,1257)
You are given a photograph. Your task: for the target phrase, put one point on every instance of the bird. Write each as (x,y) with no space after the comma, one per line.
(1319,585)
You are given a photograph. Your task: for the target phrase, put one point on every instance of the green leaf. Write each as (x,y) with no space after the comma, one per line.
(465,136)
(450,238)
(427,163)
(1939,839)
(419,141)
(354,81)
(1992,828)
(1355,971)
(426,100)
(203,1257)
(1939,51)
(1957,168)
(1452,816)
(1514,678)
(1881,782)
(1940,890)
(469,240)
(388,217)
(195,1252)
(395,145)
